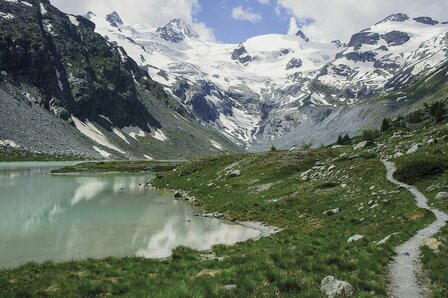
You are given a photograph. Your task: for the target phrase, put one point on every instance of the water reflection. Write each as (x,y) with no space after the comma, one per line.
(63,217)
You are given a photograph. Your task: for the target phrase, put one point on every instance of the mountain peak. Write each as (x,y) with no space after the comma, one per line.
(114,19)
(396,17)
(176,31)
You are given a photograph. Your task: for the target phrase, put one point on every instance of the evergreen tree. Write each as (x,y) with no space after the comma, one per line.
(386,125)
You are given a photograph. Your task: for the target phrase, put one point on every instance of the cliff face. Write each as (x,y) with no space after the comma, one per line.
(77,71)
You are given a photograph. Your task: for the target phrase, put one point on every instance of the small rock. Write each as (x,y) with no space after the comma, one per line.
(361,145)
(332,211)
(336,288)
(398,155)
(233,173)
(229,287)
(178,194)
(331,168)
(355,238)
(441,195)
(432,243)
(413,149)
(431,141)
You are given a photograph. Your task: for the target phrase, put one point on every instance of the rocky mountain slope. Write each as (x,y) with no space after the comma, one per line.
(266,87)
(65,89)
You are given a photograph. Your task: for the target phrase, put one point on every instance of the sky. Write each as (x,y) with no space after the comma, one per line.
(234,21)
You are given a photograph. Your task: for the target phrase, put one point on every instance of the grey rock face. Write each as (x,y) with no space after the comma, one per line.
(426,20)
(361,56)
(176,31)
(302,35)
(294,63)
(396,38)
(240,54)
(362,38)
(336,288)
(398,17)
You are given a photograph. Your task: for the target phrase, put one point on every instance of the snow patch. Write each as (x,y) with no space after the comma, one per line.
(26,3)
(106,118)
(90,131)
(73,20)
(134,132)
(158,134)
(9,143)
(103,153)
(48,27)
(7,16)
(120,134)
(42,9)
(216,145)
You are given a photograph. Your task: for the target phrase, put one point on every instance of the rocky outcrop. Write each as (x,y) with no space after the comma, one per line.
(176,31)
(241,55)
(294,63)
(426,20)
(396,38)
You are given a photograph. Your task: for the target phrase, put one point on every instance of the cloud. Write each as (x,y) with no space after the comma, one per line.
(242,14)
(264,2)
(339,19)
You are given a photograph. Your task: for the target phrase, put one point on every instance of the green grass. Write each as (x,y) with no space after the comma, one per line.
(118,166)
(291,263)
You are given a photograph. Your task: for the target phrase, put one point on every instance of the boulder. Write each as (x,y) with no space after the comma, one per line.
(398,155)
(336,288)
(233,173)
(332,211)
(441,195)
(361,145)
(432,243)
(413,149)
(355,238)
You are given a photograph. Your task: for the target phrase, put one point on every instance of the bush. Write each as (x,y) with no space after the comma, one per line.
(436,110)
(273,148)
(385,125)
(368,154)
(370,136)
(414,171)
(344,140)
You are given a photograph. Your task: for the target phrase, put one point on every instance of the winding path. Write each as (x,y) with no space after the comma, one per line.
(406,266)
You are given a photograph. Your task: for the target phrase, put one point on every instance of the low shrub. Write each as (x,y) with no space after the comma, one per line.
(413,171)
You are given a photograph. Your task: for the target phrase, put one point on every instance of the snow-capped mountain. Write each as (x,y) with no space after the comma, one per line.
(257,90)
(387,55)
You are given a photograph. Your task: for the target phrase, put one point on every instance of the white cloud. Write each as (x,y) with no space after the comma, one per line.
(339,19)
(264,2)
(242,14)
(293,28)
(154,12)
